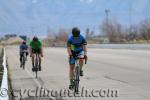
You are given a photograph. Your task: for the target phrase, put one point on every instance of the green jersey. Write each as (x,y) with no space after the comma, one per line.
(36,45)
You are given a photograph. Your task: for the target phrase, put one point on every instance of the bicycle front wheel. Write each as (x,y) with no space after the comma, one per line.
(77,79)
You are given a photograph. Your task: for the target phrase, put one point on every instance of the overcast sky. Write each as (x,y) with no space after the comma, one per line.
(27,16)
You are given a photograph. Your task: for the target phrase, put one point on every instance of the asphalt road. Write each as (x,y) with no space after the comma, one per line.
(110,74)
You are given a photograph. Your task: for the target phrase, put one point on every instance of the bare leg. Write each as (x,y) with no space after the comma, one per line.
(71,73)
(40,60)
(81,63)
(81,66)
(32,59)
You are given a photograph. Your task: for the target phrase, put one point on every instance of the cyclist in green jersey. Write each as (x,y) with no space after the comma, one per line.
(36,47)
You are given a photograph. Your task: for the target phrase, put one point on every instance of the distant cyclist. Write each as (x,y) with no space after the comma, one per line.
(76,46)
(36,47)
(23,48)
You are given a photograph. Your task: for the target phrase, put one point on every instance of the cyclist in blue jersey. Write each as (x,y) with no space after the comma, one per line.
(23,48)
(76,46)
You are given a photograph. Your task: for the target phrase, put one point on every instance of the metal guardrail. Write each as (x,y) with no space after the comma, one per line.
(4,85)
(121,46)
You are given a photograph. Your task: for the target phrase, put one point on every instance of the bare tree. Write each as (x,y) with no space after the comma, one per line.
(89,33)
(113,30)
(132,33)
(145,29)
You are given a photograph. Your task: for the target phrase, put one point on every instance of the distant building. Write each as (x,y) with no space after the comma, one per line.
(101,39)
(23,37)
(7,36)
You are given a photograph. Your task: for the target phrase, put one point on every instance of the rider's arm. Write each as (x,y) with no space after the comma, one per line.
(42,49)
(27,48)
(85,49)
(40,46)
(69,48)
(30,48)
(20,49)
(85,46)
(69,51)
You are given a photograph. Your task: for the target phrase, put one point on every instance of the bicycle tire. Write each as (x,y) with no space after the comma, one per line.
(21,63)
(36,65)
(77,79)
(24,59)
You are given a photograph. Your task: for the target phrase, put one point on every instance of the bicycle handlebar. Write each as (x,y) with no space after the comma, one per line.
(82,58)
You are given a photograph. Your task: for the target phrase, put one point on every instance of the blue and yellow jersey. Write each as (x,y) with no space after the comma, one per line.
(76,43)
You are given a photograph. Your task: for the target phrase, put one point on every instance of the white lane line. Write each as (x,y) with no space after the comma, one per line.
(4,84)
(35,80)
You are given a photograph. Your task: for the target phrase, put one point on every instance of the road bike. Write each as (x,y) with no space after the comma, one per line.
(23,59)
(77,73)
(36,64)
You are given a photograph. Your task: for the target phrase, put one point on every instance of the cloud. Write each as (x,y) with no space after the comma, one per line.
(139,5)
(87,1)
(34,1)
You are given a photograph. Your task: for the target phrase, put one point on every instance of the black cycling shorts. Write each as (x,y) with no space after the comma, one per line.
(36,51)
(75,54)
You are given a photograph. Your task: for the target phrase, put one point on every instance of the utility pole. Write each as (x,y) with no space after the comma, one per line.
(32,30)
(130,18)
(107,15)
(107,20)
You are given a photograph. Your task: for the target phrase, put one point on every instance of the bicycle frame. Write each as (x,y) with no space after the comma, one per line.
(77,73)
(23,59)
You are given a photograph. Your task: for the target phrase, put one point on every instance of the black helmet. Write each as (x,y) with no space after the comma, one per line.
(23,42)
(35,38)
(75,32)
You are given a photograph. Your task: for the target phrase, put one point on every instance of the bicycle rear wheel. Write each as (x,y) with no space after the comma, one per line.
(36,65)
(21,63)
(36,74)
(24,59)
